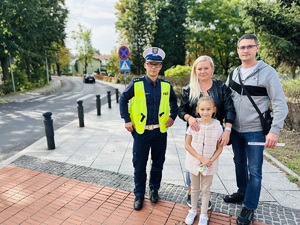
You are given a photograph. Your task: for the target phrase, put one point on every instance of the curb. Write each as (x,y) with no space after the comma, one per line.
(281,166)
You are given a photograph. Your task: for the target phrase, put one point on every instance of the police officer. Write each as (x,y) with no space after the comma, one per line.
(149,107)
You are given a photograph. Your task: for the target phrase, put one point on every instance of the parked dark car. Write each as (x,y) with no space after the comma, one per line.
(89,78)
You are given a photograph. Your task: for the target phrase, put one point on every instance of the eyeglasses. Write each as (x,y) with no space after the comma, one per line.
(153,65)
(246,47)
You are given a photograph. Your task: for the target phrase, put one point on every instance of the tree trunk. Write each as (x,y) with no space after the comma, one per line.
(28,70)
(293,71)
(58,69)
(5,72)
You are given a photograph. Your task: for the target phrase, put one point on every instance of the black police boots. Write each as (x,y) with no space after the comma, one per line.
(154,196)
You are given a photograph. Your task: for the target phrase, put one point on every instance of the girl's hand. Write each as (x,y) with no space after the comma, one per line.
(205,162)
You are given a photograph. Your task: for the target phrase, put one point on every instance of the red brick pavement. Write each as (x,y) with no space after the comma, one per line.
(30,197)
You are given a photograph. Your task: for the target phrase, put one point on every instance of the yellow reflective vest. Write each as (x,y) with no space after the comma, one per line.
(138,107)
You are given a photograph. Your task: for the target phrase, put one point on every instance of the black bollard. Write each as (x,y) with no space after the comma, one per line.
(48,122)
(80,113)
(98,105)
(109,99)
(117,95)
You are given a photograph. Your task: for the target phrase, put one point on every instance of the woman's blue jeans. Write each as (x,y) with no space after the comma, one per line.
(248,160)
(187,179)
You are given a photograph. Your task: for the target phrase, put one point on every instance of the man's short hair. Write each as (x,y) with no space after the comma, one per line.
(248,36)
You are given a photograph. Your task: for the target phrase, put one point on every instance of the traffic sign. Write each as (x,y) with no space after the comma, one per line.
(123,52)
(124,65)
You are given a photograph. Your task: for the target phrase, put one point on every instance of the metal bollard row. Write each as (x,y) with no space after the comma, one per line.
(48,122)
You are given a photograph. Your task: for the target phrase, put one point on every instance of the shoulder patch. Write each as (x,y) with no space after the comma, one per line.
(137,79)
(163,80)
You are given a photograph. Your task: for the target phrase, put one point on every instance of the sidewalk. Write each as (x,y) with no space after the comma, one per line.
(88,179)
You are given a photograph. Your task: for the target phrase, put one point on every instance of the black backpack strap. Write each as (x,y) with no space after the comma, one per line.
(230,76)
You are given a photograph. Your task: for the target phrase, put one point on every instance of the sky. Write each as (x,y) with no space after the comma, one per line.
(97,15)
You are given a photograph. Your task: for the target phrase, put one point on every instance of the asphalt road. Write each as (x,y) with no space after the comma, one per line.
(22,123)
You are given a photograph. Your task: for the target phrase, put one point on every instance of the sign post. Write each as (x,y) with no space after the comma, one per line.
(124,54)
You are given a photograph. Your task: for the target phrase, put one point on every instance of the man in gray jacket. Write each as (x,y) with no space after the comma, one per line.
(263,85)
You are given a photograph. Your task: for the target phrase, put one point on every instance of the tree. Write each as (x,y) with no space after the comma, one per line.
(135,27)
(278,25)
(84,45)
(28,29)
(171,31)
(61,58)
(214,28)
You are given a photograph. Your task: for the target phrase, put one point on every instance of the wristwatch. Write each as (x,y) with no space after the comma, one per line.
(228,128)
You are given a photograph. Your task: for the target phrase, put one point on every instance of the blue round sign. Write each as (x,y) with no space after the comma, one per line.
(123,52)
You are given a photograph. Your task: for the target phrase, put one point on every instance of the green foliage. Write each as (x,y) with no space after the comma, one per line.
(136,28)
(83,45)
(293,179)
(27,30)
(61,58)
(214,28)
(211,27)
(144,23)
(278,28)
(113,65)
(170,32)
(178,71)
(179,76)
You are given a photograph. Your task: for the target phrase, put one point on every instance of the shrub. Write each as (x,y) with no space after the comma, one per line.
(292,90)
(179,77)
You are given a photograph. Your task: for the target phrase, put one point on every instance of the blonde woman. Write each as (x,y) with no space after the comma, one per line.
(203,84)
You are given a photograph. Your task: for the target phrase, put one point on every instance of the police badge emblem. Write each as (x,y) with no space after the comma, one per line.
(155,50)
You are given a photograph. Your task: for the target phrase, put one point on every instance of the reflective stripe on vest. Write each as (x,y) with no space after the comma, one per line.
(138,107)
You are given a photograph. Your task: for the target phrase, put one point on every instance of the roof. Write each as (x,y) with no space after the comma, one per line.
(101,57)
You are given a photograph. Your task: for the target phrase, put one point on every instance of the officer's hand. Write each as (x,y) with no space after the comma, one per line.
(129,126)
(170,122)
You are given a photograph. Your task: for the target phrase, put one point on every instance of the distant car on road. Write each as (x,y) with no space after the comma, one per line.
(89,78)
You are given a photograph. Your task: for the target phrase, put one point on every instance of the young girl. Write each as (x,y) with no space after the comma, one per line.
(203,150)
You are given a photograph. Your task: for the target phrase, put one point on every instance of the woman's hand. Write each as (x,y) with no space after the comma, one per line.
(224,139)
(193,123)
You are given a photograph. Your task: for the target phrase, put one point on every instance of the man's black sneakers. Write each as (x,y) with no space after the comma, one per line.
(234,198)
(245,217)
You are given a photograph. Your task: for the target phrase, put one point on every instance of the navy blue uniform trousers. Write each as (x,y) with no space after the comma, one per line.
(157,142)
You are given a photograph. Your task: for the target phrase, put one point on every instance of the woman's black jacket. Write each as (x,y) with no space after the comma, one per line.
(222,97)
